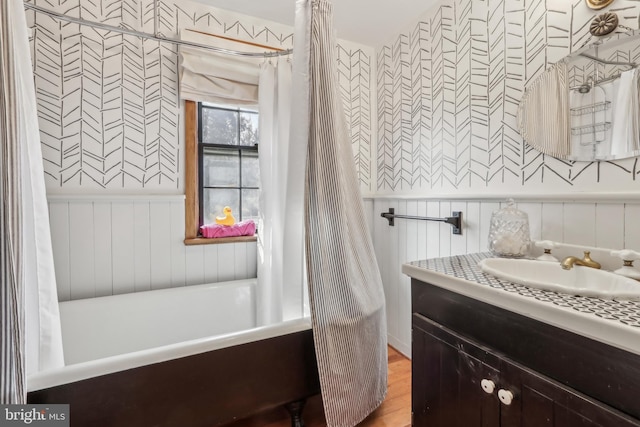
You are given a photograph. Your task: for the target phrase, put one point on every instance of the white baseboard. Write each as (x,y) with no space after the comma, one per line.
(403,348)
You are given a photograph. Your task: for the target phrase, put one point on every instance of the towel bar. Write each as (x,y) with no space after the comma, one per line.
(455,220)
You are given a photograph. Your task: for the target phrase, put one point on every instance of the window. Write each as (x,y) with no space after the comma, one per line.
(229,173)
(221,154)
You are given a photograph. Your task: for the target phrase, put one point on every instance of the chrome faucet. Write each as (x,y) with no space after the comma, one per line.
(586,261)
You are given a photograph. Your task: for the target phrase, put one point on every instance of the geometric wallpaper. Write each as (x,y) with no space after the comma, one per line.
(354,74)
(448,94)
(108,103)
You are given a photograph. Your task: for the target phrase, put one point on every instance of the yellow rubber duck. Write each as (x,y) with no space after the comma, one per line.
(227,218)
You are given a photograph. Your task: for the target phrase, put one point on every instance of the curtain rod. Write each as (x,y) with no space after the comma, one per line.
(263,46)
(585,87)
(154,37)
(604,61)
(594,83)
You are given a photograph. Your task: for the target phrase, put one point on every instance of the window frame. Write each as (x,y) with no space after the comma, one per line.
(193,187)
(235,149)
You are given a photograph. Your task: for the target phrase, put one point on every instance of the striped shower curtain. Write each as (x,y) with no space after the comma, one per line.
(30,338)
(543,113)
(345,287)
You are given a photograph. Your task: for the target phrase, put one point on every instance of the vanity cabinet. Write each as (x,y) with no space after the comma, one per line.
(448,373)
(478,365)
(457,382)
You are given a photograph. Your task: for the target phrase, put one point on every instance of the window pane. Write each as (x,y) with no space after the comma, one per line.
(219,126)
(248,129)
(250,169)
(215,199)
(221,168)
(250,206)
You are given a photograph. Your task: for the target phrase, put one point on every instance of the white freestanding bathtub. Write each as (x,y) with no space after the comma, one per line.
(186,356)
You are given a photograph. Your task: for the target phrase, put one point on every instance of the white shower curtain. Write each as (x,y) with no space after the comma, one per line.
(31,339)
(345,287)
(280,231)
(625,134)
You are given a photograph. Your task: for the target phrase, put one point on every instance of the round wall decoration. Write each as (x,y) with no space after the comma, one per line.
(598,4)
(604,24)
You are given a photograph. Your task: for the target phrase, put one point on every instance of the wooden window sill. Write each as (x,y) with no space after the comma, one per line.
(215,241)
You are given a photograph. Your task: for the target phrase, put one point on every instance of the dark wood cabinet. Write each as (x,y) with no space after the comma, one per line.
(457,378)
(447,379)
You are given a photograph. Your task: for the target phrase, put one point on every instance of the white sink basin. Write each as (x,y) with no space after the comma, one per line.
(584,281)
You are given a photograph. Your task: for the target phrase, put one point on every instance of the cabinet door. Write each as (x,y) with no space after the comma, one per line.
(447,374)
(541,402)
(447,388)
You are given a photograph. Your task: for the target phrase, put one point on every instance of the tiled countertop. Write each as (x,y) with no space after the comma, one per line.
(613,322)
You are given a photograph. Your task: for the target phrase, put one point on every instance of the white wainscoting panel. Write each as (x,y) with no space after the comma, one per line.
(160,245)
(609,227)
(106,246)
(611,224)
(631,226)
(103,248)
(142,246)
(82,250)
(552,228)
(579,223)
(60,238)
(178,252)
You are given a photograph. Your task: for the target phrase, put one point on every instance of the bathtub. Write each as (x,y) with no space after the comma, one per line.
(183,357)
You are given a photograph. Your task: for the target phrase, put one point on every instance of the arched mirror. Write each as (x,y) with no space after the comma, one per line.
(587,106)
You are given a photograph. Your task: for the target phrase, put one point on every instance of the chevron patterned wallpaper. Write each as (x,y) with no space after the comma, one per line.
(354,68)
(448,93)
(108,103)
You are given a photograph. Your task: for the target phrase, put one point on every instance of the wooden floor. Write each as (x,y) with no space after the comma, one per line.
(395,411)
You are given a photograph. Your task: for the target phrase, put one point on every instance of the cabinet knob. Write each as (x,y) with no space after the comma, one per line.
(488,386)
(505,396)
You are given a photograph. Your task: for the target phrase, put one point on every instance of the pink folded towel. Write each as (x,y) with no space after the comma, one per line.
(242,228)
